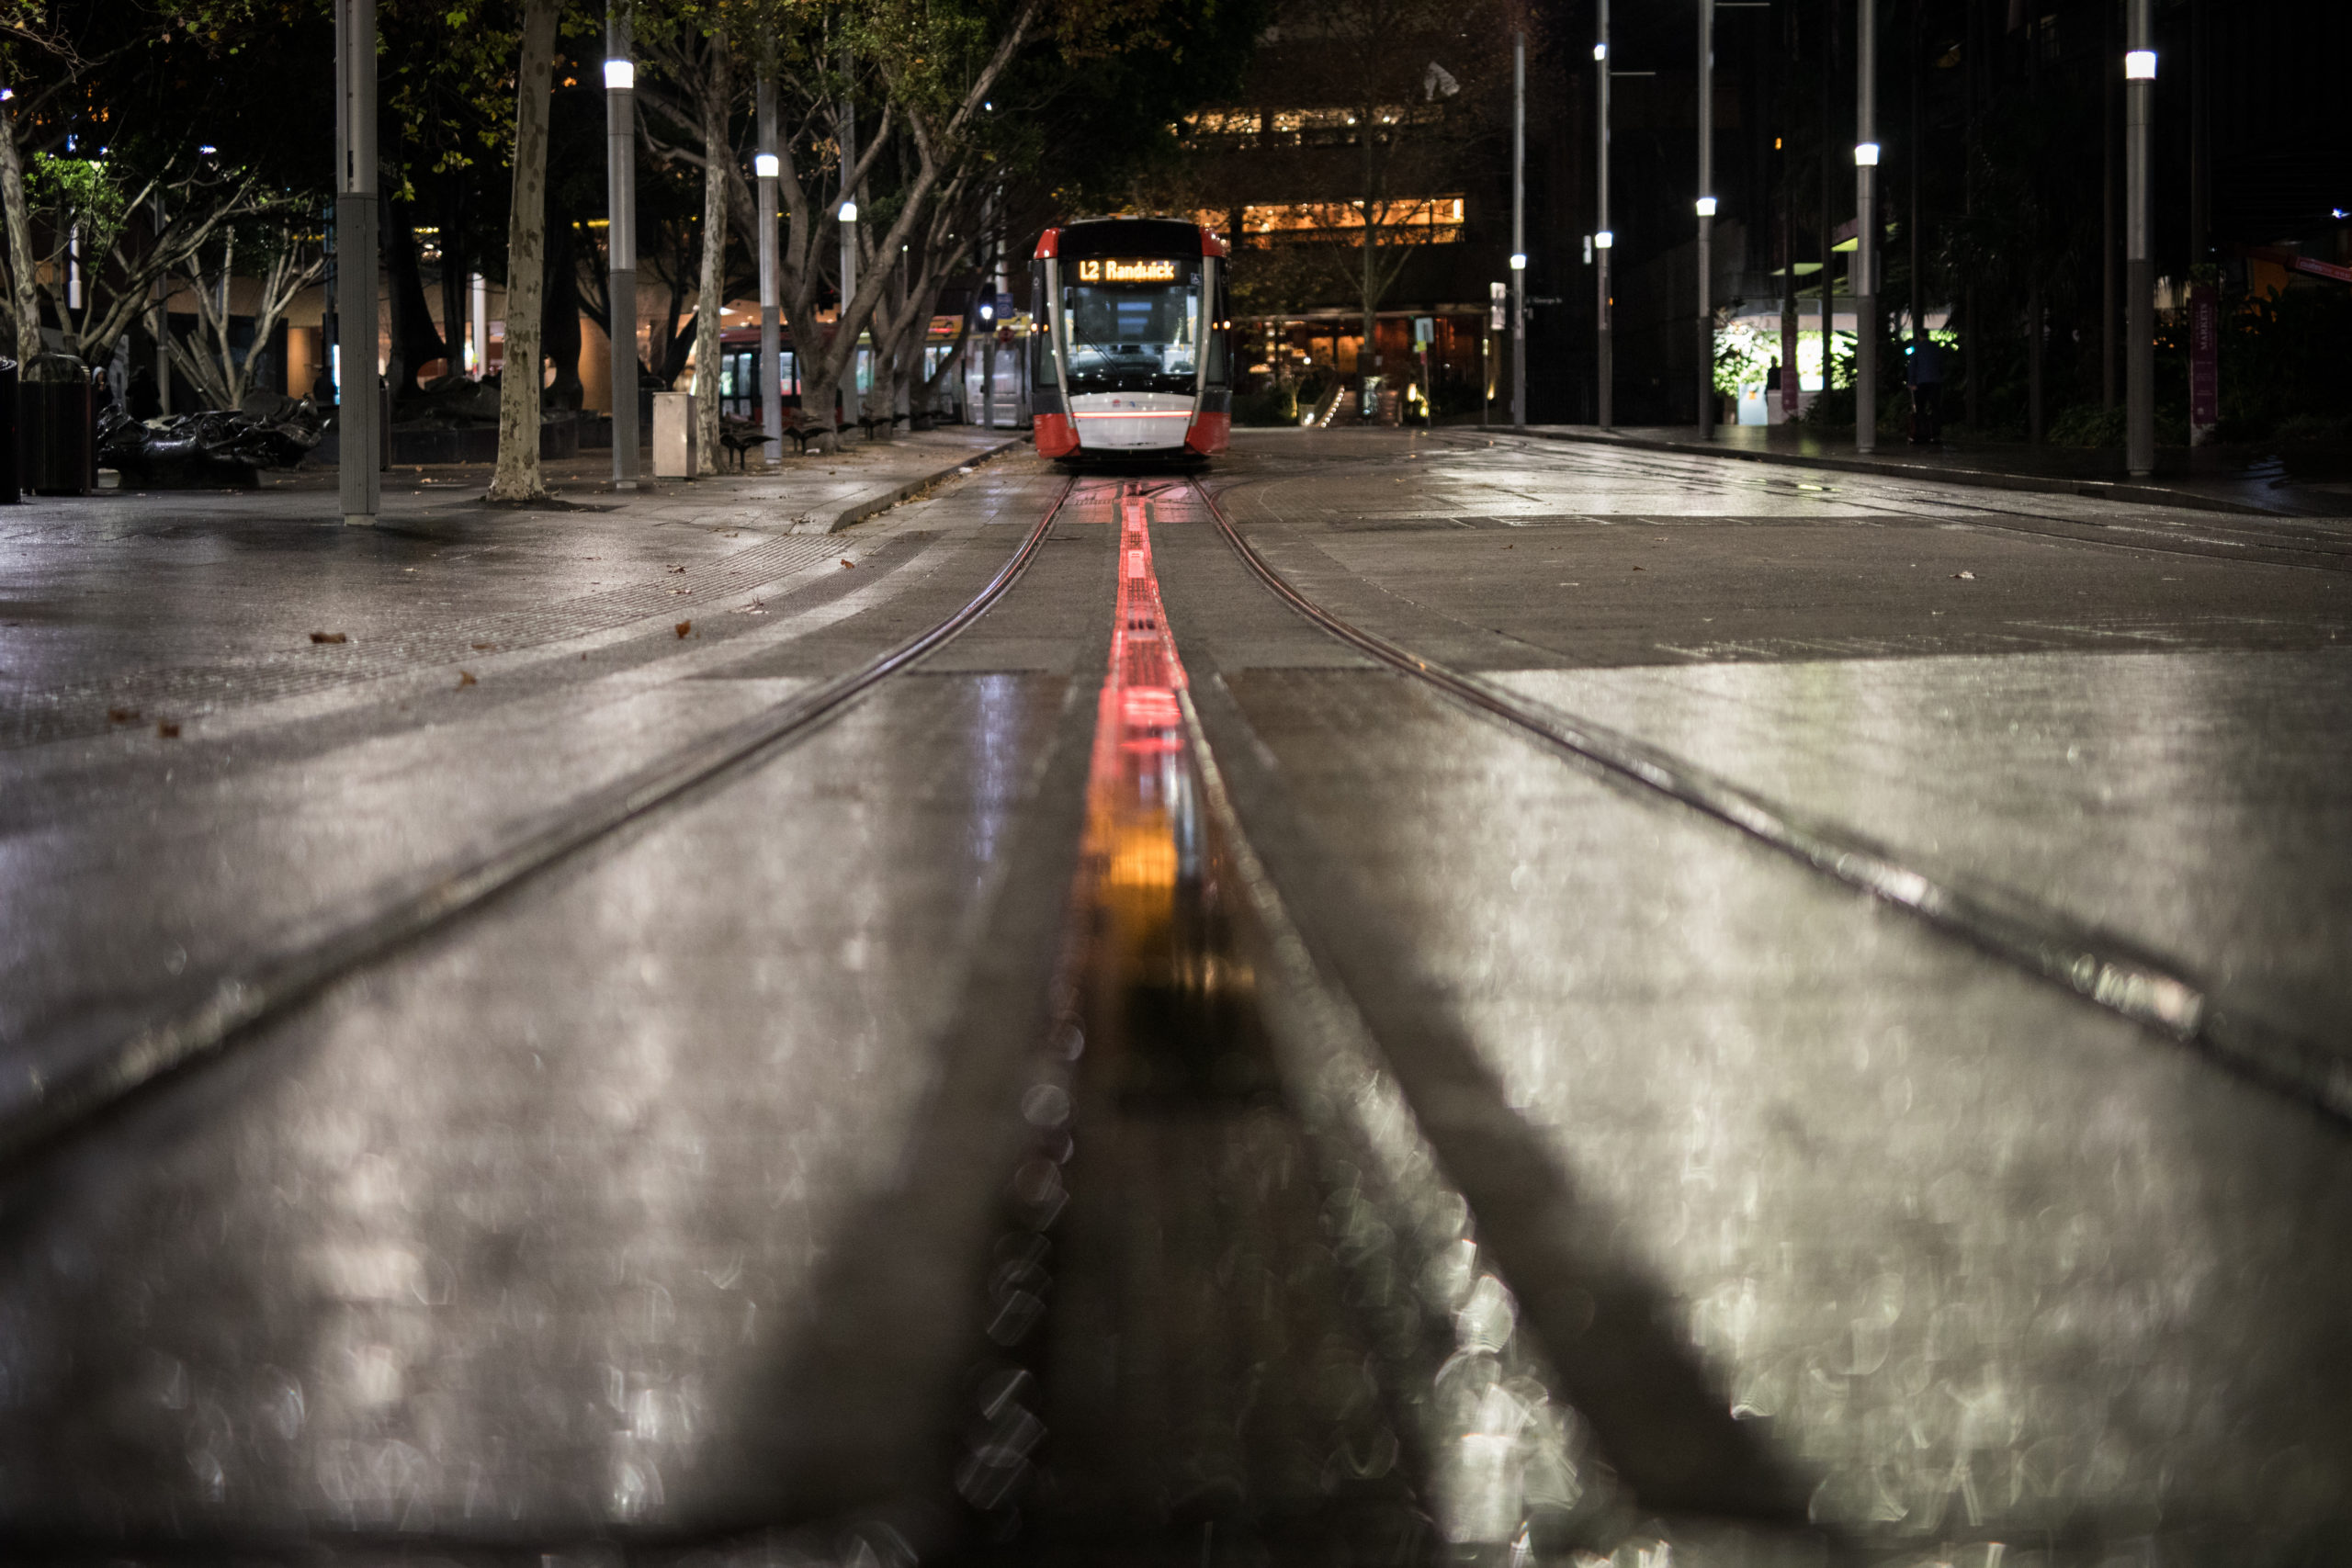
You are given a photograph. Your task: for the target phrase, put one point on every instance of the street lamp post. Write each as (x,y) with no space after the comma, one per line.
(1519,229)
(2138,270)
(1706,218)
(766,165)
(358,432)
(1865,231)
(620,240)
(1603,240)
(477,292)
(847,213)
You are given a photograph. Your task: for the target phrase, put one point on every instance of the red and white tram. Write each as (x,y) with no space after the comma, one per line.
(1135,357)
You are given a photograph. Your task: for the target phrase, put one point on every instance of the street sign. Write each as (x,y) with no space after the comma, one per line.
(1424,330)
(2204,362)
(1498,297)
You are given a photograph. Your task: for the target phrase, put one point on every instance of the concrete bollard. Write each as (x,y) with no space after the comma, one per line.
(674,435)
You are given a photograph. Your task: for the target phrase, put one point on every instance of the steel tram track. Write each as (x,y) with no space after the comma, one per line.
(238,1003)
(2152,990)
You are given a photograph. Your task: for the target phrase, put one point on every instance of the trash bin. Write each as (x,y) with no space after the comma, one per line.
(11,492)
(56,444)
(674,435)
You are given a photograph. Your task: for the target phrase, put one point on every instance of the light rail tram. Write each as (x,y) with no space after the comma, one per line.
(1135,357)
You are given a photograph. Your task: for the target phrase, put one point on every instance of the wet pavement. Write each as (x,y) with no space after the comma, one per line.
(1149,1084)
(2306,479)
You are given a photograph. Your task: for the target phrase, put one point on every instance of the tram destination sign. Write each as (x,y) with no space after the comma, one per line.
(1116,269)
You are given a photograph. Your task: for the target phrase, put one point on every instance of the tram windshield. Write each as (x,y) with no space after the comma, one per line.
(1129,339)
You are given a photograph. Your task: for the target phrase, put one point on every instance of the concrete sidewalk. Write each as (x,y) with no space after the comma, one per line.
(133,609)
(2209,479)
(820,492)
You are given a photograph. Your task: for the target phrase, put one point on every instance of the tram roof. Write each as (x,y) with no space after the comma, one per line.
(1128,237)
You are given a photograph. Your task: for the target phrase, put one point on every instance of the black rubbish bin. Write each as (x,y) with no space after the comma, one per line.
(11,491)
(56,443)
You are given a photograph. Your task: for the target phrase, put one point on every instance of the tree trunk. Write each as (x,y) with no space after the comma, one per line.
(1368,347)
(718,153)
(23,297)
(518,387)
(453,277)
(560,317)
(2033,326)
(415,342)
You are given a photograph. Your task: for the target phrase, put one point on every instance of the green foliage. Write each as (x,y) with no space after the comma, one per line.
(81,191)
(1275,404)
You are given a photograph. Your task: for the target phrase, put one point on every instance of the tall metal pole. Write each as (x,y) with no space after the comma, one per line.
(163,327)
(1519,229)
(2139,269)
(1917,290)
(1827,277)
(1865,228)
(479,288)
(358,433)
(1706,219)
(847,212)
(767,167)
(1604,241)
(620,237)
(848,134)
(2105,209)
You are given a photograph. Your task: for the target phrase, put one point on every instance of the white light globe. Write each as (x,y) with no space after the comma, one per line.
(620,75)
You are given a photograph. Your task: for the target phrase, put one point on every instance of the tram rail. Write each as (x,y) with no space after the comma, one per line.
(233,1004)
(2150,989)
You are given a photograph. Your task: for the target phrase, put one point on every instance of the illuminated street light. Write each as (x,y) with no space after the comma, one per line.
(1604,241)
(620,243)
(1518,261)
(1864,270)
(1706,206)
(769,379)
(1600,52)
(2139,265)
(848,214)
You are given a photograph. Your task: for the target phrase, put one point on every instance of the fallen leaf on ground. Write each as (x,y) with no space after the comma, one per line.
(466,678)
(753,608)
(167,729)
(485,647)
(847,563)
(682,627)
(1963,577)
(329,636)
(123,716)
(1637,568)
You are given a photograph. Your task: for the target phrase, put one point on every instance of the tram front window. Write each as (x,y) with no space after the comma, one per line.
(1134,339)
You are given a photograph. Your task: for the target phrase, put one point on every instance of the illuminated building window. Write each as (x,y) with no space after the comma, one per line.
(1418,221)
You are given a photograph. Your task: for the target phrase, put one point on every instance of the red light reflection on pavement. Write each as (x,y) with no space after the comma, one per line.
(1139,717)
